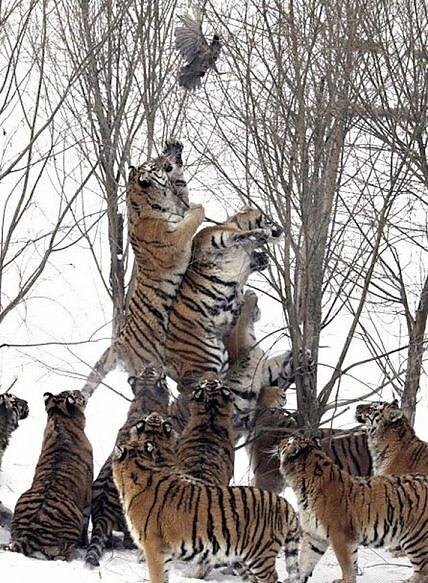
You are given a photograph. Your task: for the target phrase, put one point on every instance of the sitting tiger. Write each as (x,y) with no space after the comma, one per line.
(161,225)
(340,510)
(12,411)
(209,299)
(151,393)
(206,446)
(50,518)
(393,444)
(171,516)
(272,423)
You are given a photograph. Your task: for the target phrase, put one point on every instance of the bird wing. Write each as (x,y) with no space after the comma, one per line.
(189,39)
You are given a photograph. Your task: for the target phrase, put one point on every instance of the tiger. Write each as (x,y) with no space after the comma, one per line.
(161,224)
(12,411)
(206,446)
(343,511)
(272,423)
(209,298)
(173,516)
(151,393)
(393,444)
(5,516)
(50,518)
(249,367)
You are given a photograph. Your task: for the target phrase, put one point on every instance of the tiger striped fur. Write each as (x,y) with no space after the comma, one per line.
(347,448)
(340,510)
(50,518)
(393,443)
(206,446)
(171,516)
(208,301)
(249,368)
(161,225)
(151,393)
(12,411)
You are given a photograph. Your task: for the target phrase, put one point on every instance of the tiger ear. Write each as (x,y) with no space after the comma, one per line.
(394,415)
(317,441)
(47,397)
(167,428)
(395,403)
(198,395)
(71,400)
(131,172)
(132,382)
(119,453)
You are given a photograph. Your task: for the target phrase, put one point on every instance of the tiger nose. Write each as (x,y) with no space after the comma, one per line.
(144,181)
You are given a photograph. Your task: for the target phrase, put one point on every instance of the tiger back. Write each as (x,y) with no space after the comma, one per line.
(151,393)
(209,298)
(344,511)
(12,411)
(51,516)
(172,516)
(205,448)
(393,443)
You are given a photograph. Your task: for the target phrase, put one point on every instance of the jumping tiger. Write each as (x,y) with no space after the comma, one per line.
(151,393)
(343,511)
(209,299)
(171,516)
(50,518)
(161,225)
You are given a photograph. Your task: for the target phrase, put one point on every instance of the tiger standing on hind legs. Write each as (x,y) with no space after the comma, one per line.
(209,299)
(161,226)
(171,516)
(342,511)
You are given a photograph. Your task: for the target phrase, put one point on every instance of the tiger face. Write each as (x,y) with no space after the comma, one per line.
(152,379)
(294,448)
(211,395)
(148,441)
(364,411)
(11,403)
(151,188)
(383,416)
(68,403)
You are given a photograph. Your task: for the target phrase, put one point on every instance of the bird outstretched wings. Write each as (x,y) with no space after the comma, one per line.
(192,45)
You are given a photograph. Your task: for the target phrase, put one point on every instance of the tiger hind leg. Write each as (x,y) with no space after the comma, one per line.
(101,533)
(311,551)
(157,561)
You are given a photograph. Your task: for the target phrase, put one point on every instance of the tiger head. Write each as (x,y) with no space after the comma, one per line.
(249,218)
(365,411)
(151,388)
(211,395)
(295,453)
(384,417)
(149,443)
(66,403)
(11,404)
(151,188)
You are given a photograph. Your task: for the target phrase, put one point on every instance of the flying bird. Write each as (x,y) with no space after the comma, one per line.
(192,45)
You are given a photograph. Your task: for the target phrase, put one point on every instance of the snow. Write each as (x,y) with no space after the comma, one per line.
(105,413)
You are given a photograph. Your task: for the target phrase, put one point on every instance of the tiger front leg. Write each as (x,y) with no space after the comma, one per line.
(186,228)
(157,560)
(347,556)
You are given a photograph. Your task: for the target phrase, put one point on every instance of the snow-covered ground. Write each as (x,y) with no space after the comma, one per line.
(105,414)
